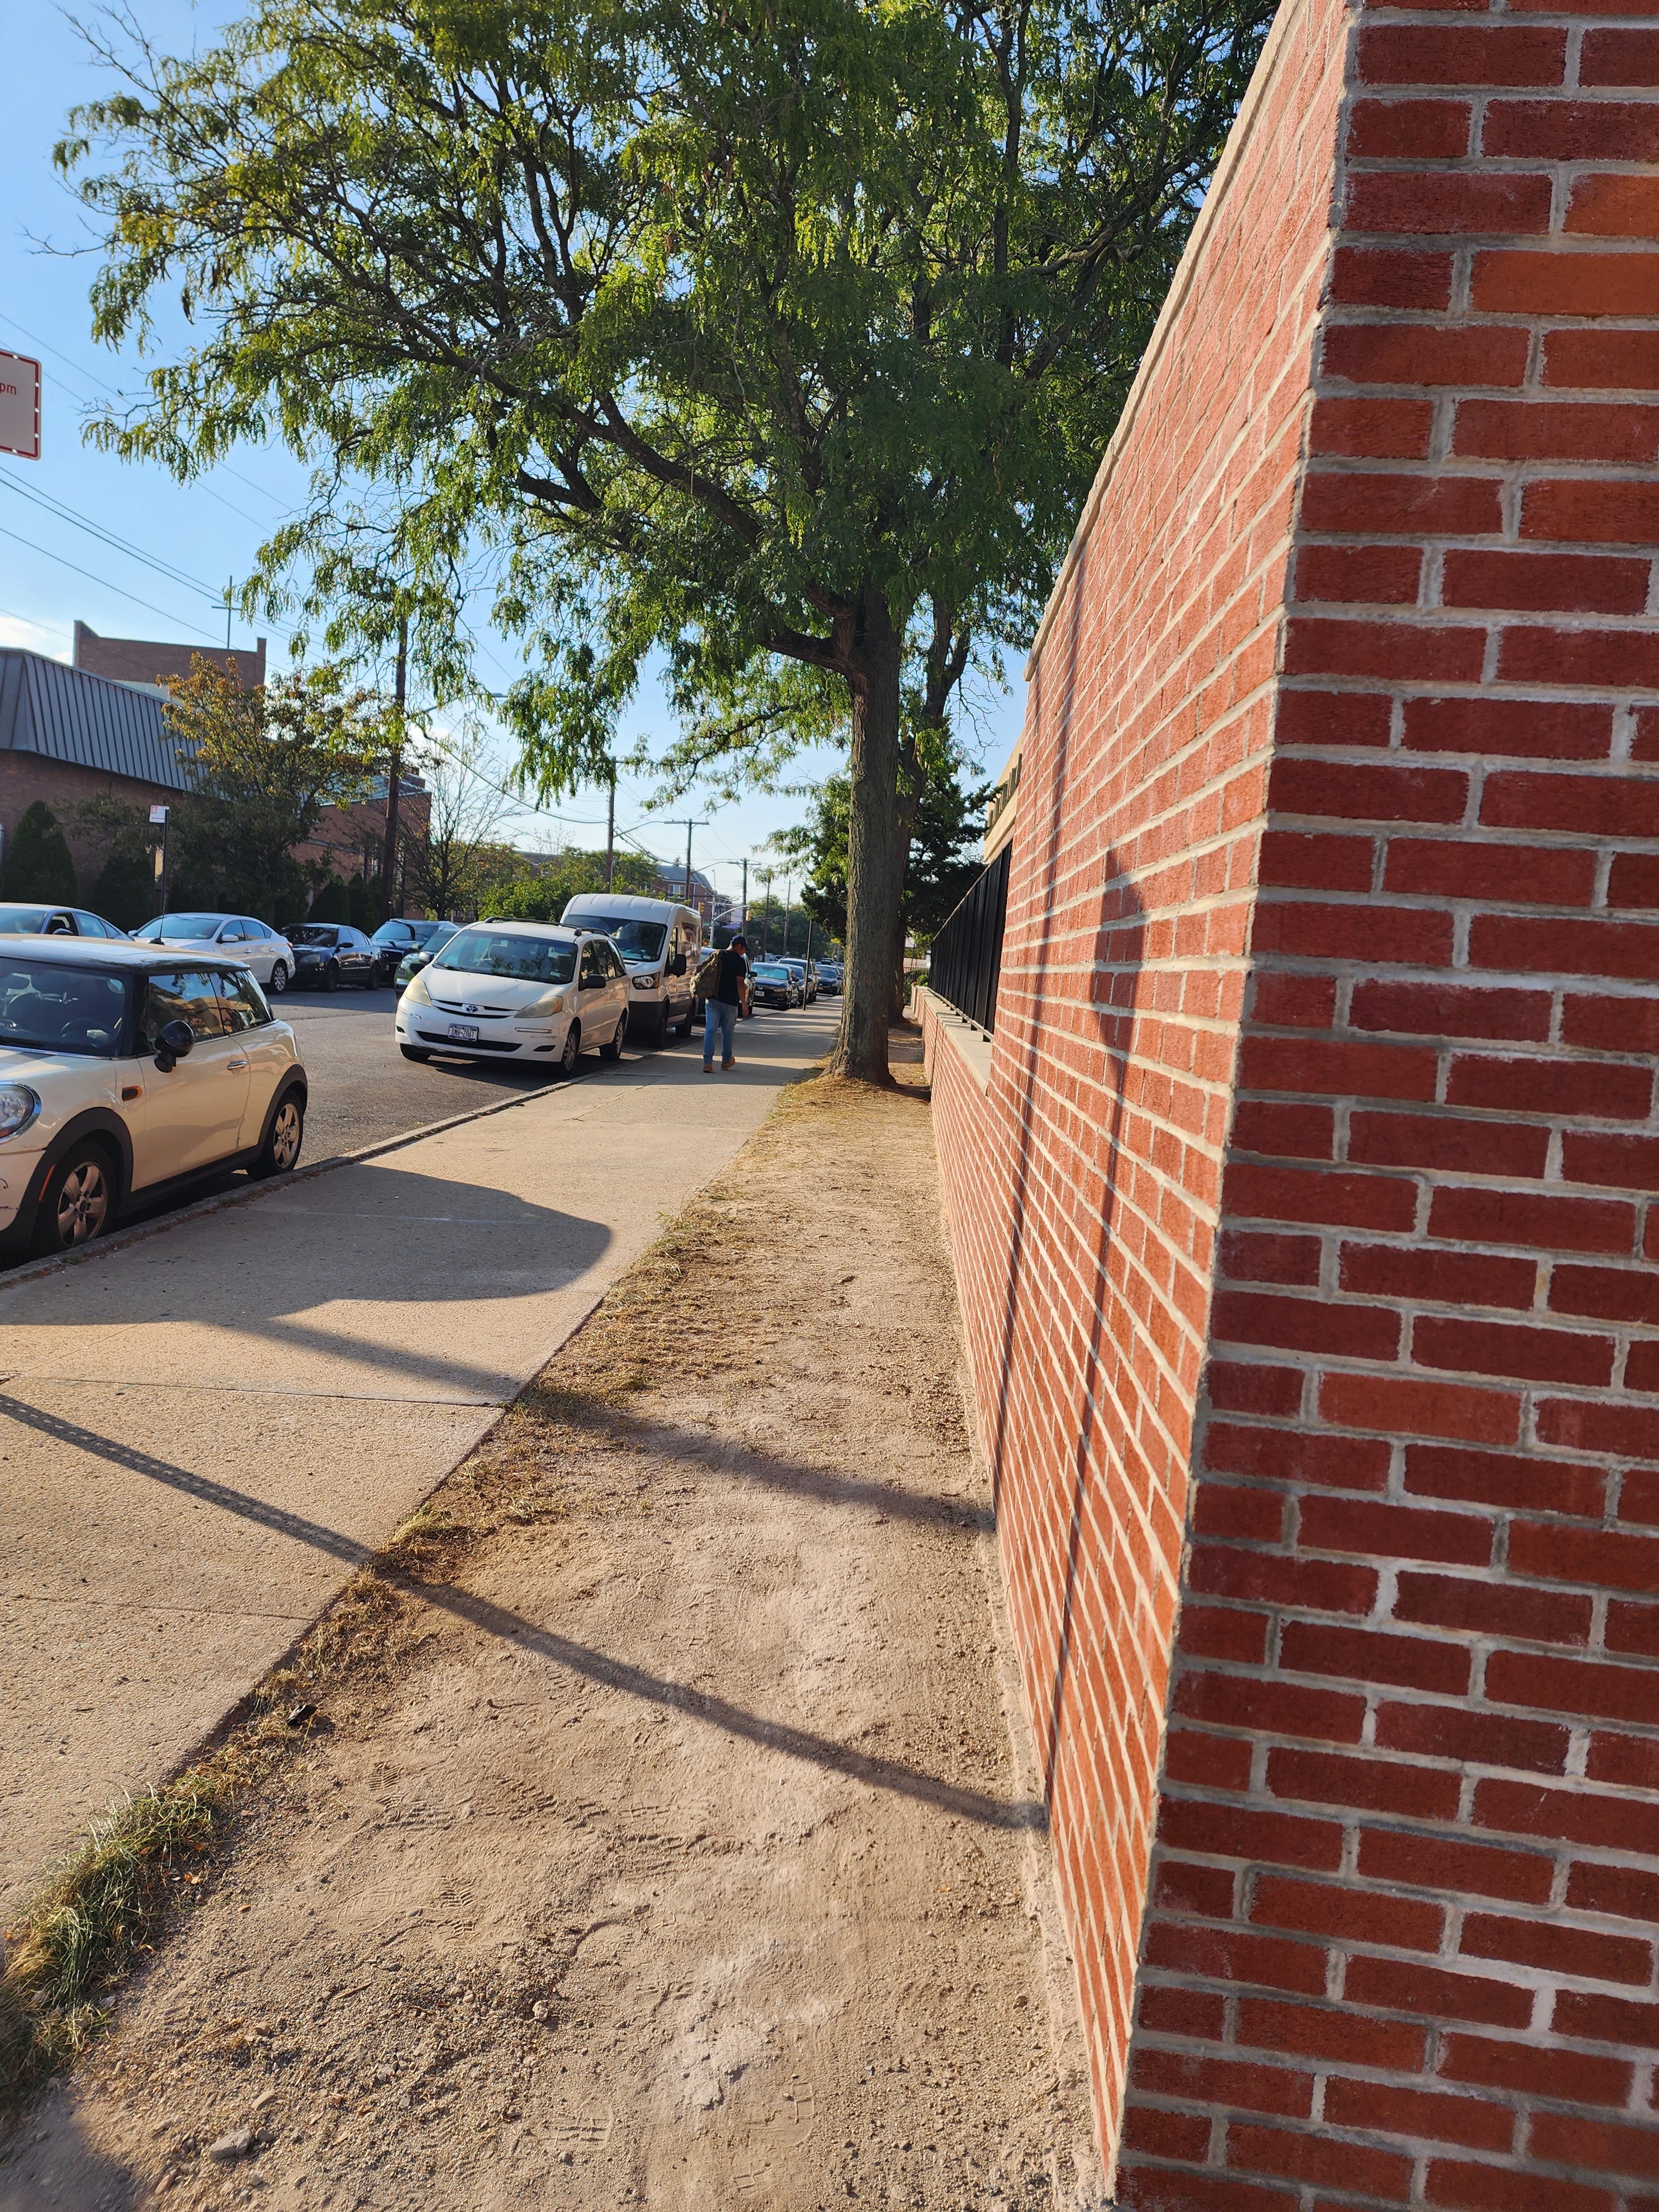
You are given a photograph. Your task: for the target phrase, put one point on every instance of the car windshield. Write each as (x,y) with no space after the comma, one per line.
(50,1005)
(23,920)
(313,932)
(177,926)
(502,952)
(772,974)
(634,940)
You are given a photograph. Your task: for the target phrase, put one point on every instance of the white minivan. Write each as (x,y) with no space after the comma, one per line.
(524,989)
(660,940)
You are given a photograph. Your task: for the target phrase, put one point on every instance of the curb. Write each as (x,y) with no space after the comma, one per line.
(218,1202)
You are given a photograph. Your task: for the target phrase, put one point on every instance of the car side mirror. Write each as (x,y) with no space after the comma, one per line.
(679,963)
(173,1045)
(590,983)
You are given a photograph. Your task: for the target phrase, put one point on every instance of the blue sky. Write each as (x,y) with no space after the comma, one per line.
(53,569)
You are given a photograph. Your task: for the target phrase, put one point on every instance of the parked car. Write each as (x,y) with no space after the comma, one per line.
(528,990)
(806,975)
(402,937)
(414,961)
(660,941)
(127,1072)
(262,949)
(771,984)
(830,978)
(330,953)
(23,918)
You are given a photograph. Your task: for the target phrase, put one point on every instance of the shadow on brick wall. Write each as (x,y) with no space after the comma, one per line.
(1071,967)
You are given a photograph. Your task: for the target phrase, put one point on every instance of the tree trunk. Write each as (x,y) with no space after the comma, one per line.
(872,876)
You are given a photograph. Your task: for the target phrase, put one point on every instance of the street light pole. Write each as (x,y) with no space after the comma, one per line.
(611,833)
(785,917)
(743,915)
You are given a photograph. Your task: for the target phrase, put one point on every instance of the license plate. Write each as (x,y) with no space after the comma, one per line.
(464,1032)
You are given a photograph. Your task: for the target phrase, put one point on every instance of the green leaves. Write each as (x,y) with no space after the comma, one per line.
(671,326)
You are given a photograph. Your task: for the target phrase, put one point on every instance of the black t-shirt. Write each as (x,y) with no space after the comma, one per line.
(728,985)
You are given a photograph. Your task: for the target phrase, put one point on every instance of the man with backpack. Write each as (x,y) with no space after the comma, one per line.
(725,1004)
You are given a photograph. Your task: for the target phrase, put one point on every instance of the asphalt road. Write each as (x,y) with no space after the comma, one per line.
(364,1092)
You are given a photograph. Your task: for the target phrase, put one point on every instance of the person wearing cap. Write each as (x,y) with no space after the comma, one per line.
(724,1003)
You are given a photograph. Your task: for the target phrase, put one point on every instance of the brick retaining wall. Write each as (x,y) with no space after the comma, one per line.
(1304,1229)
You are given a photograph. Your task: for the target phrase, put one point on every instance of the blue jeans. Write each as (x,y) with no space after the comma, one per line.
(721,1020)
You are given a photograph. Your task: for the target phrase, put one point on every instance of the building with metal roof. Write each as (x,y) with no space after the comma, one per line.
(50,712)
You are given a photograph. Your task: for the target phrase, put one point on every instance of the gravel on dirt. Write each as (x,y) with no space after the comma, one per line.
(671,1839)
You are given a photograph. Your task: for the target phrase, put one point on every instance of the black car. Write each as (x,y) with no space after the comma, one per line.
(829,981)
(771,984)
(402,938)
(327,954)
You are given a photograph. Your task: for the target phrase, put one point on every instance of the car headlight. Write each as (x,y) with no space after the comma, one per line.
(18,1107)
(416,989)
(550,1002)
(645,982)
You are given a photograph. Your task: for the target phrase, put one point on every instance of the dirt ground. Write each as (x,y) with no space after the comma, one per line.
(662,1836)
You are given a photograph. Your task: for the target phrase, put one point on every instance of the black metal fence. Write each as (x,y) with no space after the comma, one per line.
(967,954)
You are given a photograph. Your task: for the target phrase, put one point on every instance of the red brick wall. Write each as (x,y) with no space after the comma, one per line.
(1084,1190)
(1405,1831)
(64,785)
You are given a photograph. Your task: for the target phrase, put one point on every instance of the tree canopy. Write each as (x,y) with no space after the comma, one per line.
(780,340)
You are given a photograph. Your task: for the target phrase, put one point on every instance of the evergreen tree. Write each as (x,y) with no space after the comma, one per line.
(126,891)
(37,859)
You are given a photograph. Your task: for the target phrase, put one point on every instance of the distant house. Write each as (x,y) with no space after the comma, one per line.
(670,884)
(66,735)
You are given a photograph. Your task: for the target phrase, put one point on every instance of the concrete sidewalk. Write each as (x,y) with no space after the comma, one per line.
(203,1432)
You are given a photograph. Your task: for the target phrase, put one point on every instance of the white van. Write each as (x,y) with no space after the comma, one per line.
(660,941)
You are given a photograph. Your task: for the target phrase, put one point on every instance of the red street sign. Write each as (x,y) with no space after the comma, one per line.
(20,405)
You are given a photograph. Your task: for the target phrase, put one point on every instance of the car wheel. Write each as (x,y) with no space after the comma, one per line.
(573,1049)
(613,1050)
(278,982)
(414,1052)
(329,978)
(690,1021)
(284,1134)
(78,1201)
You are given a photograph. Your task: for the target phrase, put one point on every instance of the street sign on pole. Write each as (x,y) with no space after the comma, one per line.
(20,405)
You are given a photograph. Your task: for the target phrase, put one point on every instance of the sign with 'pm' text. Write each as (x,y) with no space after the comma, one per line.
(20,405)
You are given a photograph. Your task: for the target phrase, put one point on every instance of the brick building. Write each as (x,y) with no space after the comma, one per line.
(152,665)
(97,727)
(1303,1202)
(67,735)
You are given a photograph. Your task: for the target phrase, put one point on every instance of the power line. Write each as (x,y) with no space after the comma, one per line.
(62,512)
(115,391)
(148,605)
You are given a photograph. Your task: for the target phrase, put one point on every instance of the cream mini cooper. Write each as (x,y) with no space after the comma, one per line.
(127,1072)
(518,990)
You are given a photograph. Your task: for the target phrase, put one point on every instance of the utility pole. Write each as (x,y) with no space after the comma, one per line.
(765,875)
(610,834)
(785,917)
(689,901)
(743,912)
(390,901)
(230,586)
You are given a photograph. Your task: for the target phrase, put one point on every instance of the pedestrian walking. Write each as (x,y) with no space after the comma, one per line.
(725,1004)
